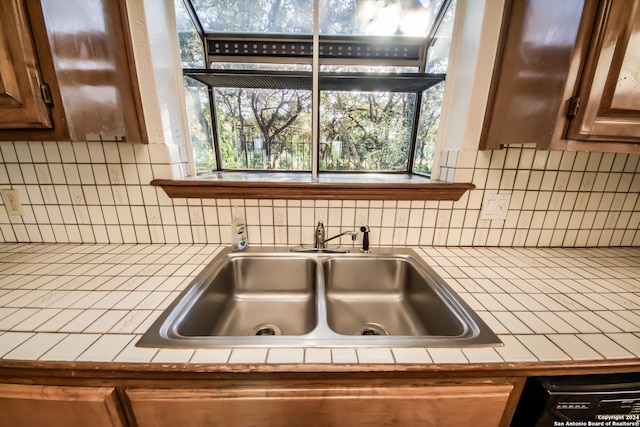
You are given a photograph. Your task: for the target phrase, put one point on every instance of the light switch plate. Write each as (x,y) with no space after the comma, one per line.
(495,206)
(12,202)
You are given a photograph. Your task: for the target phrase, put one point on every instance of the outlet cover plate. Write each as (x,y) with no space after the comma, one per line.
(495,206)
(12,202)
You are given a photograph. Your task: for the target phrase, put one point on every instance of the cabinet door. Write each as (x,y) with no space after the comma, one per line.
(93,62)
(53,406)
(609,93)
(538,41)
(21,103)
(437,405)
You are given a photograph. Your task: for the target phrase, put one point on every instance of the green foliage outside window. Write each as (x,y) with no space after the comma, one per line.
(270,129)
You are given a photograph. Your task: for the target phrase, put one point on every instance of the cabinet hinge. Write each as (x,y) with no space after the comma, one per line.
(574,105)
(45,91)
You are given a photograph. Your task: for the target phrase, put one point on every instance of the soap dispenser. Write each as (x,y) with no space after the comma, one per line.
(239,240)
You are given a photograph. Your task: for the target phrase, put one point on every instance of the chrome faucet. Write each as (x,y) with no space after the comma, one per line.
(321,241)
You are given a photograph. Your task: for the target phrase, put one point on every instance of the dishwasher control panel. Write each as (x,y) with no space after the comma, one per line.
(589,400)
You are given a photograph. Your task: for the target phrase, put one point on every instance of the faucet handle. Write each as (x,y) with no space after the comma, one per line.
(365,239)
(319,236)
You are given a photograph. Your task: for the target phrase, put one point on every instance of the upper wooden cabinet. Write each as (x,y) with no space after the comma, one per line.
(84,54)
(567,76)
(22,104)
(609,92)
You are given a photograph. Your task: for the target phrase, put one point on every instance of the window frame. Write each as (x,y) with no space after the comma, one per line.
(357,185)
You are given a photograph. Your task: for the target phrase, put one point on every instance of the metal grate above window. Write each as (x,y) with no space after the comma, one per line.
(274,48)
(346,49)
(366,82)
(407,51)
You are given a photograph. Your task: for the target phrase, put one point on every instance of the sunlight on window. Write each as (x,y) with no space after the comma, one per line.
(249,87)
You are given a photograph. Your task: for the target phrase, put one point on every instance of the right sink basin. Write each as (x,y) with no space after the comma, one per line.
(386,296)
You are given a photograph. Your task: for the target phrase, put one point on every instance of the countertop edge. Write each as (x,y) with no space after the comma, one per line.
(9,368)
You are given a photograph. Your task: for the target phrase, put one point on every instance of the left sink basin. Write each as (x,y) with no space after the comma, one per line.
(253,295)
(247,298)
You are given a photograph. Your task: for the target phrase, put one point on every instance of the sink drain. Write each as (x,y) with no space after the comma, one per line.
(266,329)
(372,329)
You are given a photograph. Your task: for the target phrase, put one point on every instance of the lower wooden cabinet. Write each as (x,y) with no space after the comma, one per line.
(59,406)
(475,405)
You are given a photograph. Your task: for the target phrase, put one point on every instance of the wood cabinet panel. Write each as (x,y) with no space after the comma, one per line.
(538,42)
(21,102)
(433,405)
(610,89)
(84,53)
(567,77)
(93,62)
(53,406)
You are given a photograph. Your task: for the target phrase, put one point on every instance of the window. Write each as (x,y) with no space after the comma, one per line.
(254,85)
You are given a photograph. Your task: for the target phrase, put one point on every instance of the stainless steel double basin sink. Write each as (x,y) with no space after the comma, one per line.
(270,297)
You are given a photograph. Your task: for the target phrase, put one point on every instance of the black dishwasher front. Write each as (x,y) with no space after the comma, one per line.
(580,400)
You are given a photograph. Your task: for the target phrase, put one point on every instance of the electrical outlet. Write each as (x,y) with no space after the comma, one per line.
(495,206)
(12,202)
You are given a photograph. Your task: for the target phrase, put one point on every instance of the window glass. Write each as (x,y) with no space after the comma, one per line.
(428,123)
(191,49)
(264,129)
(256,16)
(365,131)
(251,105)
(438,53)
(377,17)
(200,130)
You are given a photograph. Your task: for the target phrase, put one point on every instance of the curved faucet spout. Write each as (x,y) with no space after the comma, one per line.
(353,234)
(321,241)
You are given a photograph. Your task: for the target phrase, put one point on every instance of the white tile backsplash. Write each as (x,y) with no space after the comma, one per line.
(98,192)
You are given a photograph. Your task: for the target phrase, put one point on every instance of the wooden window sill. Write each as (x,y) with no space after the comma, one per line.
(243,185)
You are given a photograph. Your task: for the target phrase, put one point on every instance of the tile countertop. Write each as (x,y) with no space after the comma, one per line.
(91,303)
